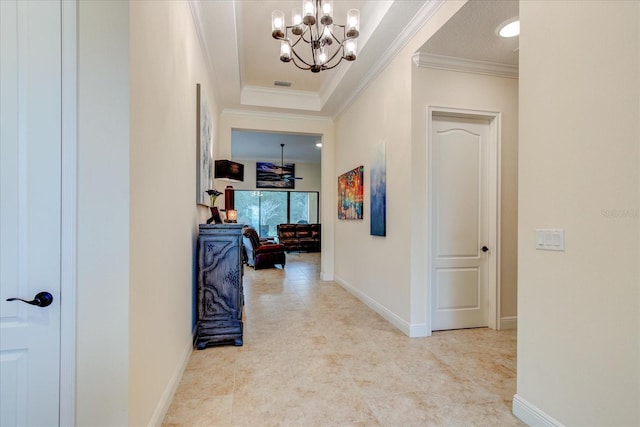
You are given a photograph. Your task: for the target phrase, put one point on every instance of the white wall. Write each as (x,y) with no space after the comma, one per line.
(166,64)
(432,87)
(579,310)
(377,268)
(388,272)
(102,334)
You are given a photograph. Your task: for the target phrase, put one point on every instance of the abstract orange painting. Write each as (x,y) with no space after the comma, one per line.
(351,194)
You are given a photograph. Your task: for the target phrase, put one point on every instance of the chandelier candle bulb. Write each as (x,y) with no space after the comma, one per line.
(350,50)
(326,8)
(296,19)
(322,55)
(353,23)
(277,24)
(309,12)
(296,16)
(285,51)
(326,34)
(327,11)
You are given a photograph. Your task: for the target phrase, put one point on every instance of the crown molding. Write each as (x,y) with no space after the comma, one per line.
(463,65)
(419,20)
(375,12)
(196,14)
(230,112)
(221,87)
(280,98)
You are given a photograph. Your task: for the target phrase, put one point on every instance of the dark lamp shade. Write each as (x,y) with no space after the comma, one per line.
(226,169)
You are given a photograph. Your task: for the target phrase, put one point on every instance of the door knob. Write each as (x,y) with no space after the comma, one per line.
(42,299)
(485,249)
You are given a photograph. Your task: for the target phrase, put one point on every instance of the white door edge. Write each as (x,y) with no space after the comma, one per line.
(68,214)
(494,206)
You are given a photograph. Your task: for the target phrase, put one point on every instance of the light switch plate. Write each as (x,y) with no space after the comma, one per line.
(550,239)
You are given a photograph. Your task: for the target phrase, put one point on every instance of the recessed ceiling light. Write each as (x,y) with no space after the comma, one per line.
(509,28)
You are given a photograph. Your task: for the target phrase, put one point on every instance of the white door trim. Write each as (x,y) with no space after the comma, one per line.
(68,215)
(494,206)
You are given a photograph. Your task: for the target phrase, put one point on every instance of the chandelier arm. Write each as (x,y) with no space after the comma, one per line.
(302,68)
(293,45)
(333,36)
(333,66)
(297,41)
(310,41)
(344,37)
(306,31)
(301,60)
(340,43)
(334,55)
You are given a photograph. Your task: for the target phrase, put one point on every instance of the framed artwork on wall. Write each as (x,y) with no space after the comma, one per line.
(270,175)
(351,194)
(204,149)
(378,183)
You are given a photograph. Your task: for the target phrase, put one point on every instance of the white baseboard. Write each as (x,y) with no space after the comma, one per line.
(510,322)
(419,330)
(531,415)
(165,400)
(413,331)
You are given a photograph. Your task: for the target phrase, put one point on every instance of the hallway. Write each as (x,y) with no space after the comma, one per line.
(314,355)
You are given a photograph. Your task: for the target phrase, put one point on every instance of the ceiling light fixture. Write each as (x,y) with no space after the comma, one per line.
(285,176)
(509,28)
(313,27)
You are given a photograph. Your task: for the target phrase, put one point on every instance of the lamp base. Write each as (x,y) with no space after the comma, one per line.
(215,216)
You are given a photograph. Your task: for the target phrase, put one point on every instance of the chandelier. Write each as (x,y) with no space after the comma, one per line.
(313,42)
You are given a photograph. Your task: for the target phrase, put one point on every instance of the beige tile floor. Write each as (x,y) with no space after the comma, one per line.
(314,355)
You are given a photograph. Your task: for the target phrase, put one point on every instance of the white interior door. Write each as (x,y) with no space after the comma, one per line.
(459,225)
(30,196)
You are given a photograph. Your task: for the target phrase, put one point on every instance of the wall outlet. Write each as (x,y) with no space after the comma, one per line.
(550,239)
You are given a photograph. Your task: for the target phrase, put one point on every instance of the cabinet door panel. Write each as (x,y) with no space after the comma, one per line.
(220,297)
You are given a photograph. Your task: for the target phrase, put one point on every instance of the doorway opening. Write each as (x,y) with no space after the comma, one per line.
(265,209)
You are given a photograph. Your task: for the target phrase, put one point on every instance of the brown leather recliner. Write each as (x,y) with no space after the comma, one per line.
(261,255)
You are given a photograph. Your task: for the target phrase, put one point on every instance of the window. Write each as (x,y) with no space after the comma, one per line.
(273,211)
(264,210)
(303,208)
